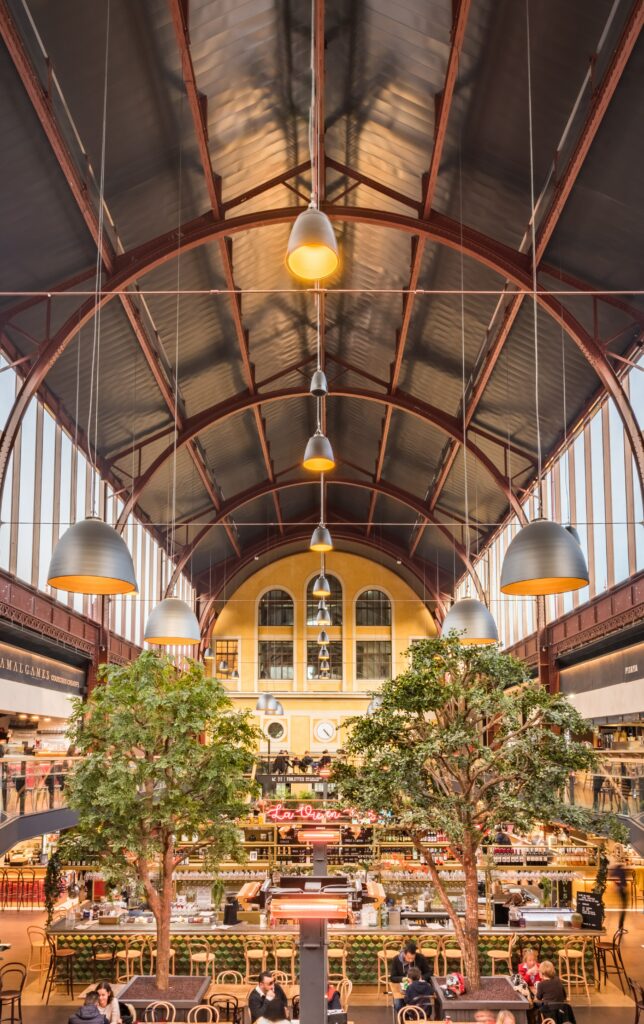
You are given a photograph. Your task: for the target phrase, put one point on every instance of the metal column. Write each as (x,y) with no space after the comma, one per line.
(313,964)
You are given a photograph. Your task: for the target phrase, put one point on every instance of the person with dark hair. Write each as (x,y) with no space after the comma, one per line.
(418,991)
(89,1013)
(266,993)
(401,965)
(281,764)
(502,838)
(108,1004)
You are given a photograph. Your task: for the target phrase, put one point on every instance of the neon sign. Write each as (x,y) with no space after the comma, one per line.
(319,815)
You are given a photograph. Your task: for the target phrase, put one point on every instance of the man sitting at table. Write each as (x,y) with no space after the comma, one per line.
(266,993)
(402,964)
(89,1013)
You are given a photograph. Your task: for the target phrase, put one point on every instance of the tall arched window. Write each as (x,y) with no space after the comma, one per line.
(333,603)
(276,609)
(373,608)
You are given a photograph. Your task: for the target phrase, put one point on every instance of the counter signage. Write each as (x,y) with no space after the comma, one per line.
(306,812)
(591,909)
(26,667)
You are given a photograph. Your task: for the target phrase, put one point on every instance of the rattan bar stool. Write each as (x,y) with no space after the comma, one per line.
(201,958)
(255,956)
(503,956)
(60,968)
(284,953)
(451,952)
(129,959)
(572,965)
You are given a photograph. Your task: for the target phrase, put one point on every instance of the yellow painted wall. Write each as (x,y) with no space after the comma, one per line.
(308,704)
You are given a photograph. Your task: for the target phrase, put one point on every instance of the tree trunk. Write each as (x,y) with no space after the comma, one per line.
(471,944)
(459,931)
(163,918)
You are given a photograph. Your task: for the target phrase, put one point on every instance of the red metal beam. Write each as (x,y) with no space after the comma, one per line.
(600,103)
(198,104)
(364,179)
(443,108)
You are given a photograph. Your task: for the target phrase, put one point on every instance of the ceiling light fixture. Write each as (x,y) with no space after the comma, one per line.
(323,654)
(318,454)
(321,587)
(208,654)
(321,539)
(472,620)
(172,622)
(323,637)
(323,617)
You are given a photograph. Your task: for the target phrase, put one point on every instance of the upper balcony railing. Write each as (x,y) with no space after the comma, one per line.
(29,785)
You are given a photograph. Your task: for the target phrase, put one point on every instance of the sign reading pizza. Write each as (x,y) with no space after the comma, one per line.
(318,815)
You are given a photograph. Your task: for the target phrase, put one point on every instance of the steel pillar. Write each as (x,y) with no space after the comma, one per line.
(313,968)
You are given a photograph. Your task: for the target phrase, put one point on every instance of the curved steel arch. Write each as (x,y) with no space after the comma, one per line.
(271,487)
(291,535)
(240,403)
(512,265)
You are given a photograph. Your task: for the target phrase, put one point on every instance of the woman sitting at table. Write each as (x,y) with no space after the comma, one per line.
(108,1004)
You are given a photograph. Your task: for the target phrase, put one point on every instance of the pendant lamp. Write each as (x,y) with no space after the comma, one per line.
(543,558)
(373,705)
(319,386)
(323,654)
(208,654)
(321,587)
(172,622)
(223,666)
(323,637)
(321,539)
(312,252)
(266,702)
(473,620)
(323,617)
(318,454)
(277,709)
(92,558)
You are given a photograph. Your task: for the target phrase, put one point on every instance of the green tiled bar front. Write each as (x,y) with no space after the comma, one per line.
(363,945)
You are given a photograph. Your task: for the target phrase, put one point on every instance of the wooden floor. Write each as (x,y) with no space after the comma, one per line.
(608,1007)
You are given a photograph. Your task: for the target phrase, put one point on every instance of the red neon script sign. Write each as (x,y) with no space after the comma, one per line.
(319,815)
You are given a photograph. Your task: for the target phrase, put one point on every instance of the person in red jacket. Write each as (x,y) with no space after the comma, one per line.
(529,969)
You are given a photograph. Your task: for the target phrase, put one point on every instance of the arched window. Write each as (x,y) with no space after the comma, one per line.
(373,608)
(333,603)
(276,609)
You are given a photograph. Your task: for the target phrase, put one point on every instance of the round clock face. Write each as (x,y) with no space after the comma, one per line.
(324,731)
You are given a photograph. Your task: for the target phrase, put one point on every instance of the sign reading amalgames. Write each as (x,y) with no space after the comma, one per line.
(22,666)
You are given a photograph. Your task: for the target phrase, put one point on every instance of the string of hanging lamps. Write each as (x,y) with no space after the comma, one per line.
(91,557)
(544,557)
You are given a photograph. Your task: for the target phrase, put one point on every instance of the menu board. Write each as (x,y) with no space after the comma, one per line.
(591,909)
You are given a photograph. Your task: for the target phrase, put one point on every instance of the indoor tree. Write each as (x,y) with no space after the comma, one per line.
(165,766)
(461,742)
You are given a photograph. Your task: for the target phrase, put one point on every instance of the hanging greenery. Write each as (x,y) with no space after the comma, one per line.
(53,885)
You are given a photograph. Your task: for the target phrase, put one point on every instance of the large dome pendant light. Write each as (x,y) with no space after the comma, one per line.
(469,617)
(473,620)
(312,251)
(91,557)
(173,622)
(544,558)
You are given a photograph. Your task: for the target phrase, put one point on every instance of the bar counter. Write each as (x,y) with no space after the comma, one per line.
(363,944)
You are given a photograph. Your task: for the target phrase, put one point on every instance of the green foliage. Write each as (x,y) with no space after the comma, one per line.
(146,783)
(462,741)
(53,885)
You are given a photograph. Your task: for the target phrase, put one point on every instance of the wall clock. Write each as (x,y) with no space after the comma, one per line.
(324,731)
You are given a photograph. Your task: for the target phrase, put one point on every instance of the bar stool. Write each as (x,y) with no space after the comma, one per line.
(572,965)
(431,953)
(385,955)
(61,968)
(255,958)
(611,949)
(160,1011)
(129,959)
(26,888)
(152,952)
(4,888)
(12,982)
(104,957)
(501,956)
(451,952)
(336,955)
(38,950)
(284,952)
(201,954)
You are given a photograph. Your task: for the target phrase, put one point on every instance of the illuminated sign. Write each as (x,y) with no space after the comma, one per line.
(320,815)
(26,667)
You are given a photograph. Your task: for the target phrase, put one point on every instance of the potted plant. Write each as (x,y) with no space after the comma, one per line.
(463,740)
(163,755)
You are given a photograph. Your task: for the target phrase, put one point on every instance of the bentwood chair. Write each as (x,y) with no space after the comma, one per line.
(572,965)
(410,1013)
(284,952)
(205,1014)
(60,969)
(612,949)
(153,952)
(345,988)
(255,955)
(450,951)
(503,956)
(431,953)
(103,959)
(280,978)
(389,950)
(202,958)
(12,982)
(38,950)
(637,992)
(129,959)
(229,978)
(336,956)
(160,1011)
(227,1007)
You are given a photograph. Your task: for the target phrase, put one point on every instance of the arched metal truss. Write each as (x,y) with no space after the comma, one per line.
(512,265)
(270,487)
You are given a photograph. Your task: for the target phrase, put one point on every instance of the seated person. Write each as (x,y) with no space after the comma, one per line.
(264,995)
(325,760)
(418,990)
(333,998)
(529,969)
(281,763)
(502,838)
(89,1013)
(550,989)
(273,1014)
(306,761)
(401,965)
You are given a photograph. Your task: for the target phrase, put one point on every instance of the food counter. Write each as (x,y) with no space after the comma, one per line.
(363,944)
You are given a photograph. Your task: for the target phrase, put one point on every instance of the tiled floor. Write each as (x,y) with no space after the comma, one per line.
(609,1007)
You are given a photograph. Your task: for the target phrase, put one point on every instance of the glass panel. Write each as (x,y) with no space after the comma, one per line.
(275,659)
(580,507)
(373,659)
(334,602)
(26,497)
(276,609)
(7,391)
(599,505)
(313,664)
(618,492)
(226,659)
(5,515)
(373,608)
(46,498)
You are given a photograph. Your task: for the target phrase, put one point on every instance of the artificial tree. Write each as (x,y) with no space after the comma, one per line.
(53,885)
(461,742)
(165,766)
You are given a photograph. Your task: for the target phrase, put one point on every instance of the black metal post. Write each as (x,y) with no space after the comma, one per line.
(313,970)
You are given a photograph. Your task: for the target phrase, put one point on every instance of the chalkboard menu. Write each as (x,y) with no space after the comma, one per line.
(591,909)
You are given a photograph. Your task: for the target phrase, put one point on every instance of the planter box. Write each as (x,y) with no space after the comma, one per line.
(184,993)
(494,994)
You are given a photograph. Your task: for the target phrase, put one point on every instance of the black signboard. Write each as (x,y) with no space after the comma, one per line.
(591,909)
(26,667)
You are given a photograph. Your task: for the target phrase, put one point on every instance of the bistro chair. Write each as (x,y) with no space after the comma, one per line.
(38,950)
(202,958)
(205,1014)
(280,978)
(385,955)
(160,1011)
(503,956)
(103,958)
(411,1013)
(345,988)
(255,957)
(284,953)
(12,982)
(572,965)
(60,969)
(451,952)
(227,1007)
(336,956)
(637,993)
(230,978)
(431,953)
(129,959)
(152,952)
(612,949)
